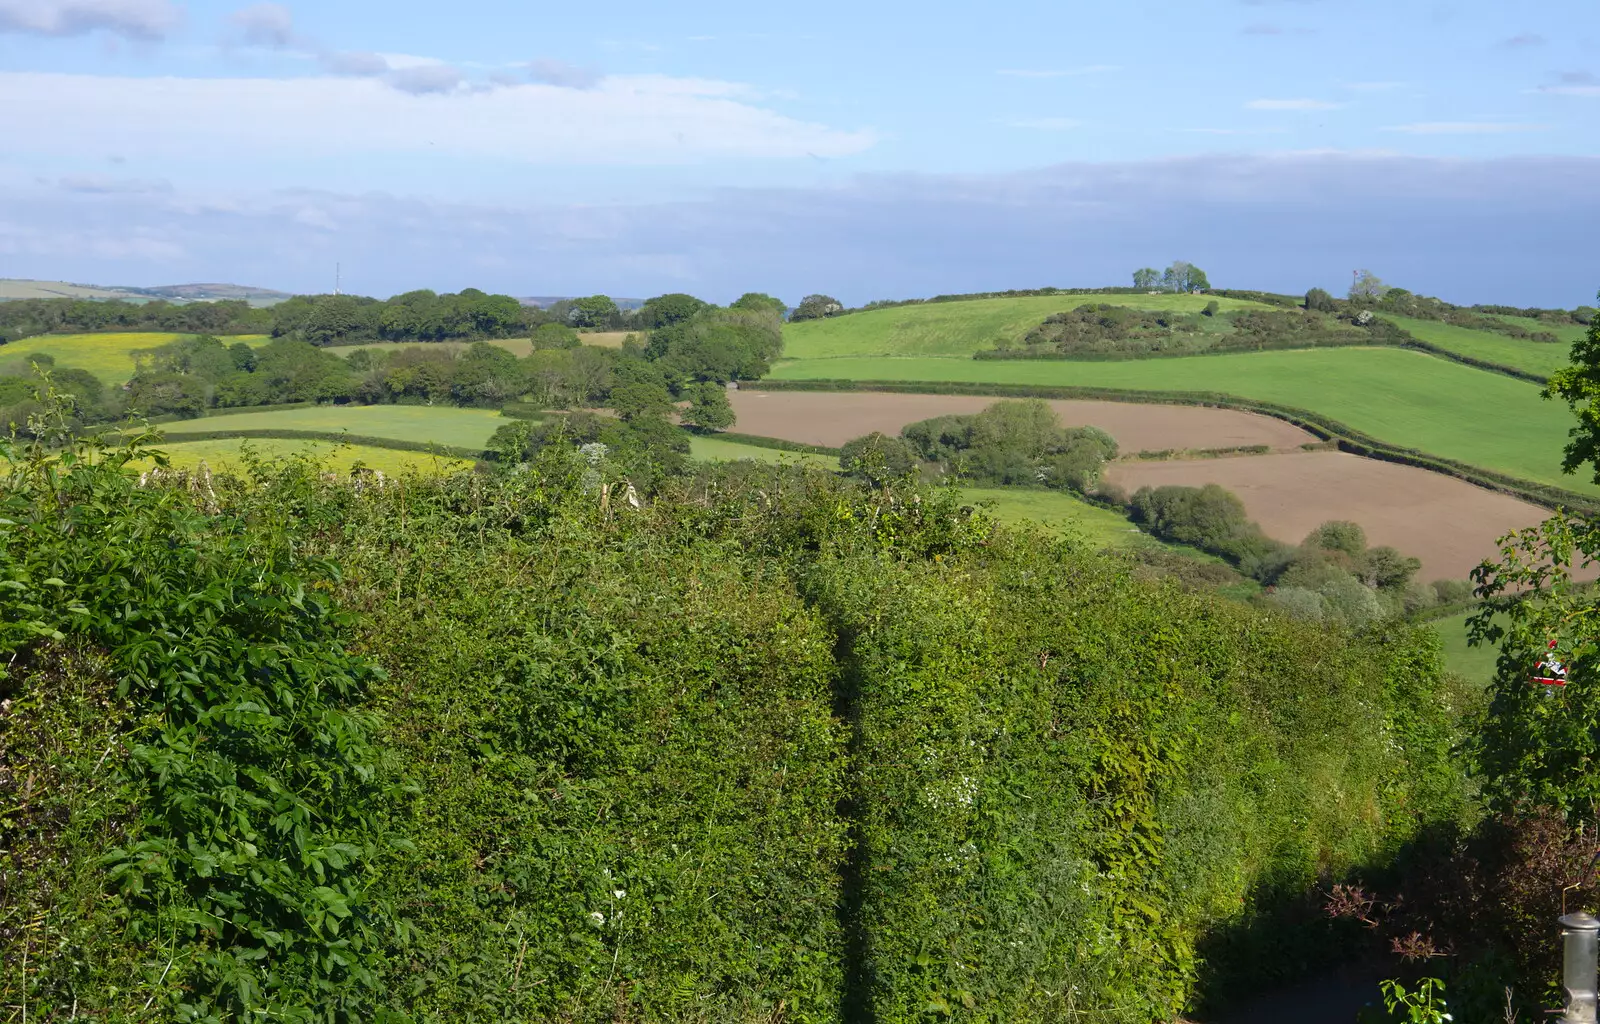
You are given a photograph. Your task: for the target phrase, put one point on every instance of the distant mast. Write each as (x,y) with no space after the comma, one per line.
(336,269)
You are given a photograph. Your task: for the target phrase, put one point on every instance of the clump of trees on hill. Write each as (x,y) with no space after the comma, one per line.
(1369,292)
(1332,575)
(1181,276)
(1019,442)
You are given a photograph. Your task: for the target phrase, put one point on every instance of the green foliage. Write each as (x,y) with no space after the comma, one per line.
(1014,442)
(1579,386)
(718,345)
(816,307)
(764,744)
(1105,331)
(1426,1005)
(414,316)
(666,310)
(709,408)
(878,458)
(24,318)
(242,873)
(596,311)
(1319,300)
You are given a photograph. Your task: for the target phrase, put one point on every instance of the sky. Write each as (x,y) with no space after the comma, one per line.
(867,150)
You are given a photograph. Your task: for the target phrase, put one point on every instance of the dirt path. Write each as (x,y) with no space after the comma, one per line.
(832,418)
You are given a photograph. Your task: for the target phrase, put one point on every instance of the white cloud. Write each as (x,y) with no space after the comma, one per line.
(269,25)
(1092,69)
(135,19)
(1292,105)
(558,72)
(1464,128)
(426,79)
(632,119)
(1047,124)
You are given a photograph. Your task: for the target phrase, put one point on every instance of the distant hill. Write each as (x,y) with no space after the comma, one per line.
(17,288)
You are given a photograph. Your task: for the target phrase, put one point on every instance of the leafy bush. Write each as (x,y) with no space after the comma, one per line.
(770,745)
(1013,442)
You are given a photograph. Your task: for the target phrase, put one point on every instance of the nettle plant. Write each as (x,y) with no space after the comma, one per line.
(245,873)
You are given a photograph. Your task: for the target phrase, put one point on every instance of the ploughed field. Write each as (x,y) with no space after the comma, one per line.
(1403,397)
(1449,524)
(832,418)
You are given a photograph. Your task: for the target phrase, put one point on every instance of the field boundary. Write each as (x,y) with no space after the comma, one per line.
(1325,428)
(333,436)
(775,443)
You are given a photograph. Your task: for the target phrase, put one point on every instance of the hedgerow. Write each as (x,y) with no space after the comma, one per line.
(770,745)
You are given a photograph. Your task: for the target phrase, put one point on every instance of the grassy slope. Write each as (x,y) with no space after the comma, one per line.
(107,356)
(338,457)
(467,428)
(1405,398)
(1539,357)
(715,449)
(1474,663)
(958,328)
(1568,333)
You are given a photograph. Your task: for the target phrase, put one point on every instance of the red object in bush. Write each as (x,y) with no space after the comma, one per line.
(1550,671)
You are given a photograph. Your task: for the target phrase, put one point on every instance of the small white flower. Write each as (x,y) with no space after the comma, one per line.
(617,894)
(597,918)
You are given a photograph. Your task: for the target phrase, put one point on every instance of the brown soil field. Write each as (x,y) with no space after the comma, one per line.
(1449,524)
(832,418)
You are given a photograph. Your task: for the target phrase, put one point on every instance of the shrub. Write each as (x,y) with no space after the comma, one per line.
(877,458)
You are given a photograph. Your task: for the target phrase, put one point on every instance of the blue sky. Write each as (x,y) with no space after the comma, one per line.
(869,150)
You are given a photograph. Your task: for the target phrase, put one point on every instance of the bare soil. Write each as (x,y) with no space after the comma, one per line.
(1449,524)
(832,418)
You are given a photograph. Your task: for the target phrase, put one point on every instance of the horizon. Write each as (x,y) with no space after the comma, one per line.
(863,154)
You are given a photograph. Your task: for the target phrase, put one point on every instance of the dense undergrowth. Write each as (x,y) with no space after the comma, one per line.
(769,745)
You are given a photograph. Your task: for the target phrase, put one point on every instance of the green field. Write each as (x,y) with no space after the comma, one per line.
(710,449)
(1103,528)
(1474,663)
(1403,397)
(1540,357)
(427,424)
(107,356)
(958,328)
(1568,333)
(228,453)
(516,346)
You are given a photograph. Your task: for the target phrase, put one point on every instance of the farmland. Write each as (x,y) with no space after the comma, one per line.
(1539,357)
(228,453)
(1449,524)
(1402,397)
(108,356)
(443,425)
(714,449)
(958,328)
(832,418)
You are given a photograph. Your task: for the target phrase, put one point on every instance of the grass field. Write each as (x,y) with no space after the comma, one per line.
(107,356)
(1539,357)
(1402,397)
(516,346)
(710,449)
(1474,663)
(1568,333)
(957,328)
(220,455)
(428,424)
